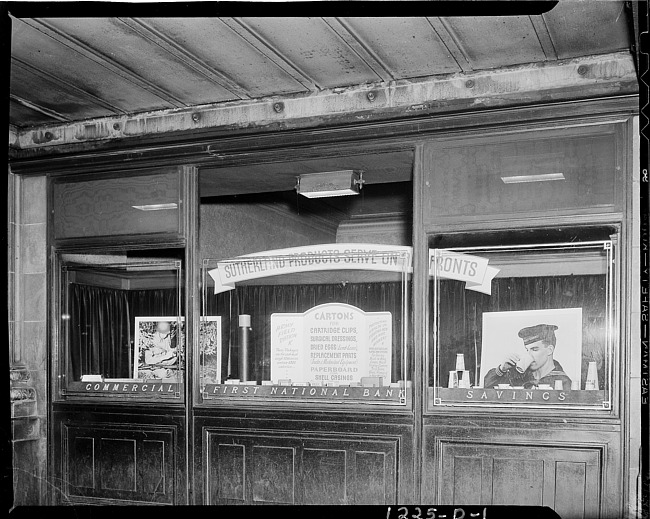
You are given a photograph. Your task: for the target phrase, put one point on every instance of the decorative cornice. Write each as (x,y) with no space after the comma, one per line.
(19,394)
(13,136)
(255,146)
(19,375)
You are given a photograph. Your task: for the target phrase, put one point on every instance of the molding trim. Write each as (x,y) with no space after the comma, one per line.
(19,374)
(22,393)
(346,137)
(608,74)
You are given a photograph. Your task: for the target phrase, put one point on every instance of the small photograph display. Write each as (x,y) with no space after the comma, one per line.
(158,347)
(331,343)
(532,348)
(210,348)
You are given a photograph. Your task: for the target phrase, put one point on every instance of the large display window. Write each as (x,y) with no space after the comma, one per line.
(317,324)
(530,325)
(121,327)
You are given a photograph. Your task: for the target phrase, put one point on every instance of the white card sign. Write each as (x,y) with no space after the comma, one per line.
(334,342)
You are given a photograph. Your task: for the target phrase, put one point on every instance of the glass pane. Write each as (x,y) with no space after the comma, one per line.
(331,327)
(122,329)
(524,173)
(529,325)
(141,204)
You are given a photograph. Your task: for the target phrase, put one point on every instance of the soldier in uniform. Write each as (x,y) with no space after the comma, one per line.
(539,341)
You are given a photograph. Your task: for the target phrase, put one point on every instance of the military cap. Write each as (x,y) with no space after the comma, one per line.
(539,332)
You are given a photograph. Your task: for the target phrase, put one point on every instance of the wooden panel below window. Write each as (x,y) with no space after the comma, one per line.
(290,468)
(82,464)
(370,478)
(229,472)
(151,469)
(563,477)
(118,462)
(273,474)
(324,476)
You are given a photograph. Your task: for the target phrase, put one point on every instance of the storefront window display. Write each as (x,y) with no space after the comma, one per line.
(121,327)
(320,323)
(523,325)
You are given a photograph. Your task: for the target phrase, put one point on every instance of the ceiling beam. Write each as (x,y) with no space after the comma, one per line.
(65,86)
(103,60)
(544,36)
(185,56)
(40,109)
(344,31)
(447,37)
(259,43)
(580,78)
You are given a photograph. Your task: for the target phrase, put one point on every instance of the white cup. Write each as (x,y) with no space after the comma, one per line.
(453,379)
(523,363)
(460,362)
(592,377)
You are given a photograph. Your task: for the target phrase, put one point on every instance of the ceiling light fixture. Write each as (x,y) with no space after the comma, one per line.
(156,207)
(521,179)
(330,183)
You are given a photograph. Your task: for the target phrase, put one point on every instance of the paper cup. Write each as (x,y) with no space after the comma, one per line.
(460,362)
(523,363)
(592,377)
(464,381)
(453,379)
(558,385)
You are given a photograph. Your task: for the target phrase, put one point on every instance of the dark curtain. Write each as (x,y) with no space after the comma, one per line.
(260,301)
(461,310)
(101,326)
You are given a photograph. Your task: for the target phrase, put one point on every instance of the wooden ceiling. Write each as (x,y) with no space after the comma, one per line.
(68,72)
(73,69)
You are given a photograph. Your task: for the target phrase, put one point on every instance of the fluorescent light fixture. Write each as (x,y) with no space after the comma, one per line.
(330,183)
(156,207)
(521,179)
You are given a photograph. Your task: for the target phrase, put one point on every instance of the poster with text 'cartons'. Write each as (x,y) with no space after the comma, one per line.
(334,342)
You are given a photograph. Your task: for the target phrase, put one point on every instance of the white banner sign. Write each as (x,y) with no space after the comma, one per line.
(347,256)
(333,342)
(474,270)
